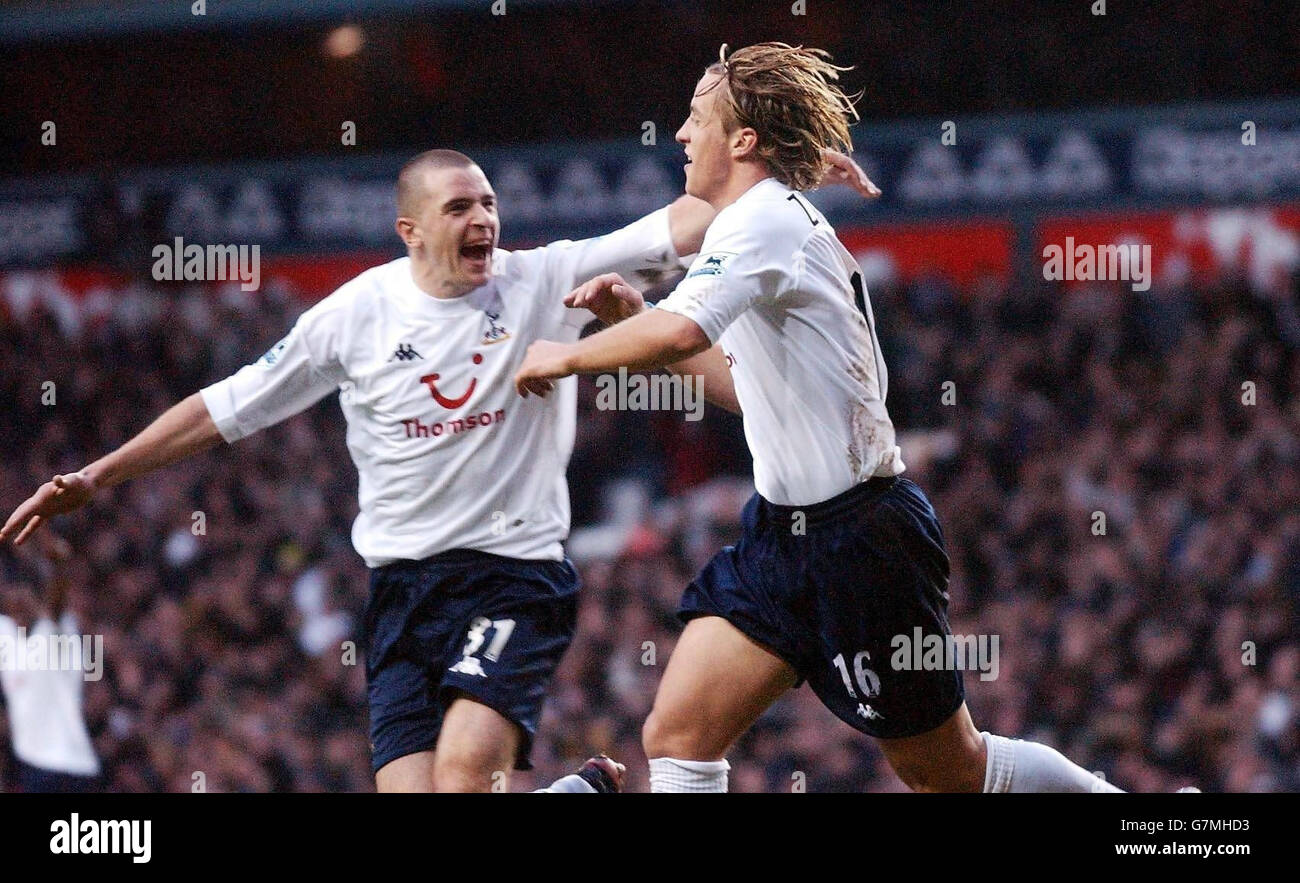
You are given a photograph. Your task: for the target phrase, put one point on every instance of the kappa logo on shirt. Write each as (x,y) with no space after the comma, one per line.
(405,353)
(712,264)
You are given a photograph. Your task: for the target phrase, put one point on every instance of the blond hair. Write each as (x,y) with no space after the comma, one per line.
(790,97)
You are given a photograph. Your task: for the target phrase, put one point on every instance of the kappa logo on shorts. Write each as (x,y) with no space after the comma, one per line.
(469,665)
(865,710)
(712,264)
(475,638)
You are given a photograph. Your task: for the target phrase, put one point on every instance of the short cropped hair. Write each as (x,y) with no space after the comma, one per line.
(789,95)
(410,180)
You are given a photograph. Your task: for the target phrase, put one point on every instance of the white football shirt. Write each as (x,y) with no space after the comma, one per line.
(46,718)
(774,285)
(447,453)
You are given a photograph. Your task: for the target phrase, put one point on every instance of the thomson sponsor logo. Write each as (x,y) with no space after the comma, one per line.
(78,836)
(177,262)
(921,652)
(53,652)
(651,392)
(1102,263)
(414,428)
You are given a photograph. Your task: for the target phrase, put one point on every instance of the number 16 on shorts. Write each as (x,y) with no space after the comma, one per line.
(868,682)
(475,637)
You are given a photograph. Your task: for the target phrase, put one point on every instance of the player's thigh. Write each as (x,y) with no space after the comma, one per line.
(950,757)
(718,681)
(477,747)
(509,653)
(869,617)
(409,774)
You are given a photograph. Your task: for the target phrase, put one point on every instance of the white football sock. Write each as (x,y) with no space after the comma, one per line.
(671,776)
(1018,767)
(570,784)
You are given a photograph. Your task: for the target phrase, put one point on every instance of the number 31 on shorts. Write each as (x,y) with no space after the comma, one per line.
(474,638)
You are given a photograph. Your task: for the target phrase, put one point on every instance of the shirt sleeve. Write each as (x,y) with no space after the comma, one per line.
(739,265)
(642,253)
(292,376)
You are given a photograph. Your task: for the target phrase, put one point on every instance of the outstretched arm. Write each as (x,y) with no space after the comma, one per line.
(719,386)
(652,339)
(183,430)
(613,300)
(688,219)
(650,248)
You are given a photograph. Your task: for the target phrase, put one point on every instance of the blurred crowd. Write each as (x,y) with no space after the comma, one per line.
(1117,474)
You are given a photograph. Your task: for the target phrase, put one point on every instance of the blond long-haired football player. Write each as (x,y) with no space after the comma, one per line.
(840,556)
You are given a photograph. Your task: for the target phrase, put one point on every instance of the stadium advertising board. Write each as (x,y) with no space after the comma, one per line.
(1194,155)
(1261,243)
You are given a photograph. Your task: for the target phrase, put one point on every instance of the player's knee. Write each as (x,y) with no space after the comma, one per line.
(469,768)
(411,774)
(923,778)
(667,735)
(655,736)
(963,773)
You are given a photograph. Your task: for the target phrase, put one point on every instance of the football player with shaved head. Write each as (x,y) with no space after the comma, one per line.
(463,502)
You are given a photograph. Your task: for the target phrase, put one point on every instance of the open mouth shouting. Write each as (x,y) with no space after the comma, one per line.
(477,255)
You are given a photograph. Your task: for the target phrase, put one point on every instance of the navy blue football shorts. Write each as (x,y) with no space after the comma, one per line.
(829,587)
(468,622)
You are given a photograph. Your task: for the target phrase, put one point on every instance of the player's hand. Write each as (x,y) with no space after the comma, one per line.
(545,361)
(609,297)
(64,493)
(841,169)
